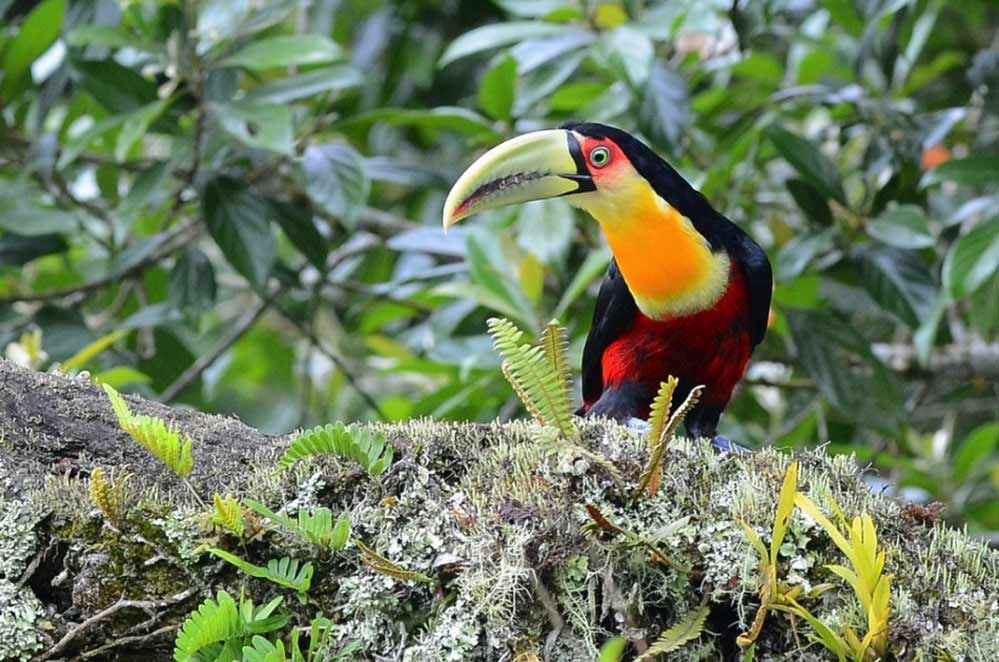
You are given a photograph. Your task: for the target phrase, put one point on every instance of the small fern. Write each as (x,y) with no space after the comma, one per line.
(229,514)
(538,374)
(316,525)
(662,428)
(290,573)
(155,435)
(109,493)
(683,632)
(363,446)
(218,629)
(213,622)
(264,650)
(384,566)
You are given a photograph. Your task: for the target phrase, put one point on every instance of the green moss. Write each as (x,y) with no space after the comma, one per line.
(495,514)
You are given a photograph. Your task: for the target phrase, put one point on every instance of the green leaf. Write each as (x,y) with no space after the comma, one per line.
(17,251)
(628,53)
(38,31)
(970,171)
(31,221)
(828,347)
(593,266)
(503,289)
(613,650)
(806,158)
(977,453)
(299,226)
(800,252)
(899,281)
(443,118)
(905,226)
(236,220)
(665,110)
(82,357)
(532,8)
(335,78)
(972,259)
(285,51)
(499,34)
(118,88)
(335,180)
(262,125)
(810,201)
(111,36)
(498,88)
(135,126)
(192,281)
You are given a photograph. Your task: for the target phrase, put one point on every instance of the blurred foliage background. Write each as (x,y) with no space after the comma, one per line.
(235,204)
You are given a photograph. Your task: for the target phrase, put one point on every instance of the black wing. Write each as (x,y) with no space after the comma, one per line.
(759,281)
(614,313)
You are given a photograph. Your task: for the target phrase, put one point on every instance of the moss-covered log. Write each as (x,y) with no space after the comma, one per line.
(493,515)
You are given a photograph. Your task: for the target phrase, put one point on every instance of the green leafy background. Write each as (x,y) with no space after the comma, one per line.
(252,193)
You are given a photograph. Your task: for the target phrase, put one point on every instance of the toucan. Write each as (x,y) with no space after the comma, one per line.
(687,292)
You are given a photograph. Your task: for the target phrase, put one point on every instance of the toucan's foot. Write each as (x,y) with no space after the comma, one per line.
(726,445)
(637,424)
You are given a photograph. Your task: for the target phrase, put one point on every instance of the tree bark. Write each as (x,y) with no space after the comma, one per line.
(494,542)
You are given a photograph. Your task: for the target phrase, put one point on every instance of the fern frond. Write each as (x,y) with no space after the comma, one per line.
(263,650)
(155,435)
(213,622)
(680,413)
(229,514)
(362,446)
(686,630)
(555,340)
(109,493)
(290,573)
(658,440)
(316,525)
(384,566)
(539,374)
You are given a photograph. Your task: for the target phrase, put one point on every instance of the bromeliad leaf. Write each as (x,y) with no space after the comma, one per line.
(363,446)
(155,435)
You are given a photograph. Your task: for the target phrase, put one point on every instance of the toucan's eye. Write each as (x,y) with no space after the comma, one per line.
(600,156)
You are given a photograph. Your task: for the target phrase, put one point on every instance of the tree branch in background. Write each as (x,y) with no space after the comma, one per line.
(341,365)
(205,361)
(960,360)
(168,242)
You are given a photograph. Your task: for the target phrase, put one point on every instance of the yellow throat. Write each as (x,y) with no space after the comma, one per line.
(668,265)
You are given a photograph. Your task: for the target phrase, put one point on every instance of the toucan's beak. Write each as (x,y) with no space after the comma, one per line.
(534,166)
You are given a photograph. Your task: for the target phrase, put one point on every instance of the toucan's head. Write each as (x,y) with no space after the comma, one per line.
(590,164)
(662,232)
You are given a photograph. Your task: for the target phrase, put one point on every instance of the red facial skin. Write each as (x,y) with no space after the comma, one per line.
(709,347)
(613,168)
